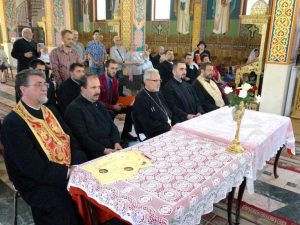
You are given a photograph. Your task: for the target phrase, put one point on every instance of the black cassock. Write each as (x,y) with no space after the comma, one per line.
(41,183)
(20,47)
(66,93)
(92,125)
(208,103)
(181,100)
(151,113)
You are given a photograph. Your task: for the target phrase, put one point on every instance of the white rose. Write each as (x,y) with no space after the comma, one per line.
(243,93)
(246,86)
(228,90)
(257,99)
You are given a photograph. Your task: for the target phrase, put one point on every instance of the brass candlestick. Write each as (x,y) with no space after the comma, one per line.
(235,146)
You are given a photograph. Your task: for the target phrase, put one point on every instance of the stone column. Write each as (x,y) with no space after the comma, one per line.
(126,16)
(280,55)
(8,25)
(197,23)
(49,32)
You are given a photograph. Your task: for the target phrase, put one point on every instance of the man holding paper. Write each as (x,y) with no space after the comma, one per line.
(109,96)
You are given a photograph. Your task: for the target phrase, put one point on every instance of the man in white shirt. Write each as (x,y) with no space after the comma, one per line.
(117,53)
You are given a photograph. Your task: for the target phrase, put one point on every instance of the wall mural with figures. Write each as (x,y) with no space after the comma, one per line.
(139,20)
(222,17)
(181,19)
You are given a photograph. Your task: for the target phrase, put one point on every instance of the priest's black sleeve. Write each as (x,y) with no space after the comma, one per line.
(62,100)
(172,100)
(77,155)
(204,99)
(142,113)
(22,154)
(74,117)
(17,51)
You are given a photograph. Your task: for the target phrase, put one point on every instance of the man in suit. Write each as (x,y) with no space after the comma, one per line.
(156,59)
(109,96)
(180,96)
(40,153)
(70,88)
(91,122)
(192,69)
(165,68)
(25,50)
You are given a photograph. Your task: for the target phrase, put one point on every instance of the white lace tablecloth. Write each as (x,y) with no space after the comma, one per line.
(261,134)
(189,174)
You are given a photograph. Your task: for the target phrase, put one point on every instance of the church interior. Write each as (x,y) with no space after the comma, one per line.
(254,42)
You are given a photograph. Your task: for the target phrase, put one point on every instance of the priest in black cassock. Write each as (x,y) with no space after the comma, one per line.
(25,50)
(39,162)
(70,88)
(180,96)
(150,110)
(91,122)
(207,90)
(165,68)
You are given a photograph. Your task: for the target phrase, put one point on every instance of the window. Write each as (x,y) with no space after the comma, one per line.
(159,9)
(101,9)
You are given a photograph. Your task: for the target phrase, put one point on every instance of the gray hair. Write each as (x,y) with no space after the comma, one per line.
(24,30)
(22,78)
(148,73)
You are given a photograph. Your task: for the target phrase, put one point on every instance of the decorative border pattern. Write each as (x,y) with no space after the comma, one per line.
(196,23)
(160,27)
(49,23)
(282,22)
(59,22)
(10,16)
(139,22)
(126,21)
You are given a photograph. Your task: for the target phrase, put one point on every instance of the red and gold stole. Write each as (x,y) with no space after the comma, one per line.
(53,140)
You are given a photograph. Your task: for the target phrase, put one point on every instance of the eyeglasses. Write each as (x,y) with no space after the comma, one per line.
(156,80)
(39,85)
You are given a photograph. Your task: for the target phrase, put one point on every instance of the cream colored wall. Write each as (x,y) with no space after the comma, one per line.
(275,87)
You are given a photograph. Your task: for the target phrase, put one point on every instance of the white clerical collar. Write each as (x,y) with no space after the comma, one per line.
(31,106)
(179,80)
(75,81)
(146,89)
(28,40)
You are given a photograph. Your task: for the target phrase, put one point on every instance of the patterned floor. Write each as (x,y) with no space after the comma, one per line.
(277,197)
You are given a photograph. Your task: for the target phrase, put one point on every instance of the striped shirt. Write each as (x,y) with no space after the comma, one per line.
(61,59)
(97,51)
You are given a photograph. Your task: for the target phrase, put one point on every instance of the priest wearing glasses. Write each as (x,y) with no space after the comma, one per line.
(150,110)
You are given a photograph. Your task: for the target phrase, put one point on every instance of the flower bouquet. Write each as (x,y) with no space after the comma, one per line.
(238,98)
(245,93)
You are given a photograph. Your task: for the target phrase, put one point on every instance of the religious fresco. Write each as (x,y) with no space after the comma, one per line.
(160,27)
(280,40)
(10,14)
(139,22)
(222,18)
(59,22)
(168,27)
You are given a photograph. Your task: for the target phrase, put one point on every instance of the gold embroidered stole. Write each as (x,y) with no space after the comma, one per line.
(213,90)
(51,137)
